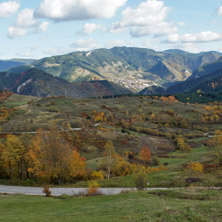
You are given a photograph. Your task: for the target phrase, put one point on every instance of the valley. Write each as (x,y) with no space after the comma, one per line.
(131,123)
(110,111)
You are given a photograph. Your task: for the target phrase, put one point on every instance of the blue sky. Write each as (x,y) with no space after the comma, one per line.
(42,28)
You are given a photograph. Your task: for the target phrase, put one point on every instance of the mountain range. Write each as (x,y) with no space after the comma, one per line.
(41,84)
(119,70)
(134,68)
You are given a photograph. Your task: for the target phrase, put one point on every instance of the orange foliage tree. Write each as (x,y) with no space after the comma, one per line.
(145,155)
(54,158)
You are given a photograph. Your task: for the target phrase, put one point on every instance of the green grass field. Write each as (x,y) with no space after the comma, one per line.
(159,206)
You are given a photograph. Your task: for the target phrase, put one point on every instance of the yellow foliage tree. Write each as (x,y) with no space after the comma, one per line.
(195,167)
(216,142)
(110,157)
(13,154)
(140,178)
(182,145)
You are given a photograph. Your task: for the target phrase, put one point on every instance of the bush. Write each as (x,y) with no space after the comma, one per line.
(47,191)
(93,188)
(194,168)
(140,178)
(97,175)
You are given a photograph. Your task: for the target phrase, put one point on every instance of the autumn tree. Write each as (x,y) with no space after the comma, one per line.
(54,158)
(13,155)
(110,157)
(216,142)
(145,155)
(140,178)
(121,166)
(182,145)
(194,168)
(2,171)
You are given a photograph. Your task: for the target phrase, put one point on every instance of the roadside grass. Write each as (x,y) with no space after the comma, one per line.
(155,206)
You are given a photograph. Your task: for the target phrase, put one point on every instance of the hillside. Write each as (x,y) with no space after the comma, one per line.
(206,79)
(38,83)
(153,90)
(207,69)
(131,123)
(134,68)
(8,64)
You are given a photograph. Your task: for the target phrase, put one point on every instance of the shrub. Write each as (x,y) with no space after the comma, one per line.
(140,178)
(123,168)
(93,188)
(47,191)
(182,145)
(97,175)
(195,167)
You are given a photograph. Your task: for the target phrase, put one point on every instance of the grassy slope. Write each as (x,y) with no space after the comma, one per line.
(158,206)
(174,176)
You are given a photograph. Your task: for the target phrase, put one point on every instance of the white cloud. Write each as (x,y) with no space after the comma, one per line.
(44,26)
(173,38)
(67,10)
(159,29)
(15,32)
(90,28)
(78,45)
(25,18)
(201,37)
(147,19)
(26,23)
(85,45)
(8,8)
(219,10)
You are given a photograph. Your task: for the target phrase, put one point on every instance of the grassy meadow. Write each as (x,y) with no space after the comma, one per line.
(156,206)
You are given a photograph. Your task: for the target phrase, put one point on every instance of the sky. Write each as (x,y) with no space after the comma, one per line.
(43,28)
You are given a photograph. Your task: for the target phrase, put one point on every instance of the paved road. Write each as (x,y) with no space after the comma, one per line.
(35,132)
(61,191)
(75,191)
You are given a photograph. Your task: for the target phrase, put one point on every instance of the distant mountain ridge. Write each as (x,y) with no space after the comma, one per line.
(12,63)
(134,68)
(38,83)
(208,78)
